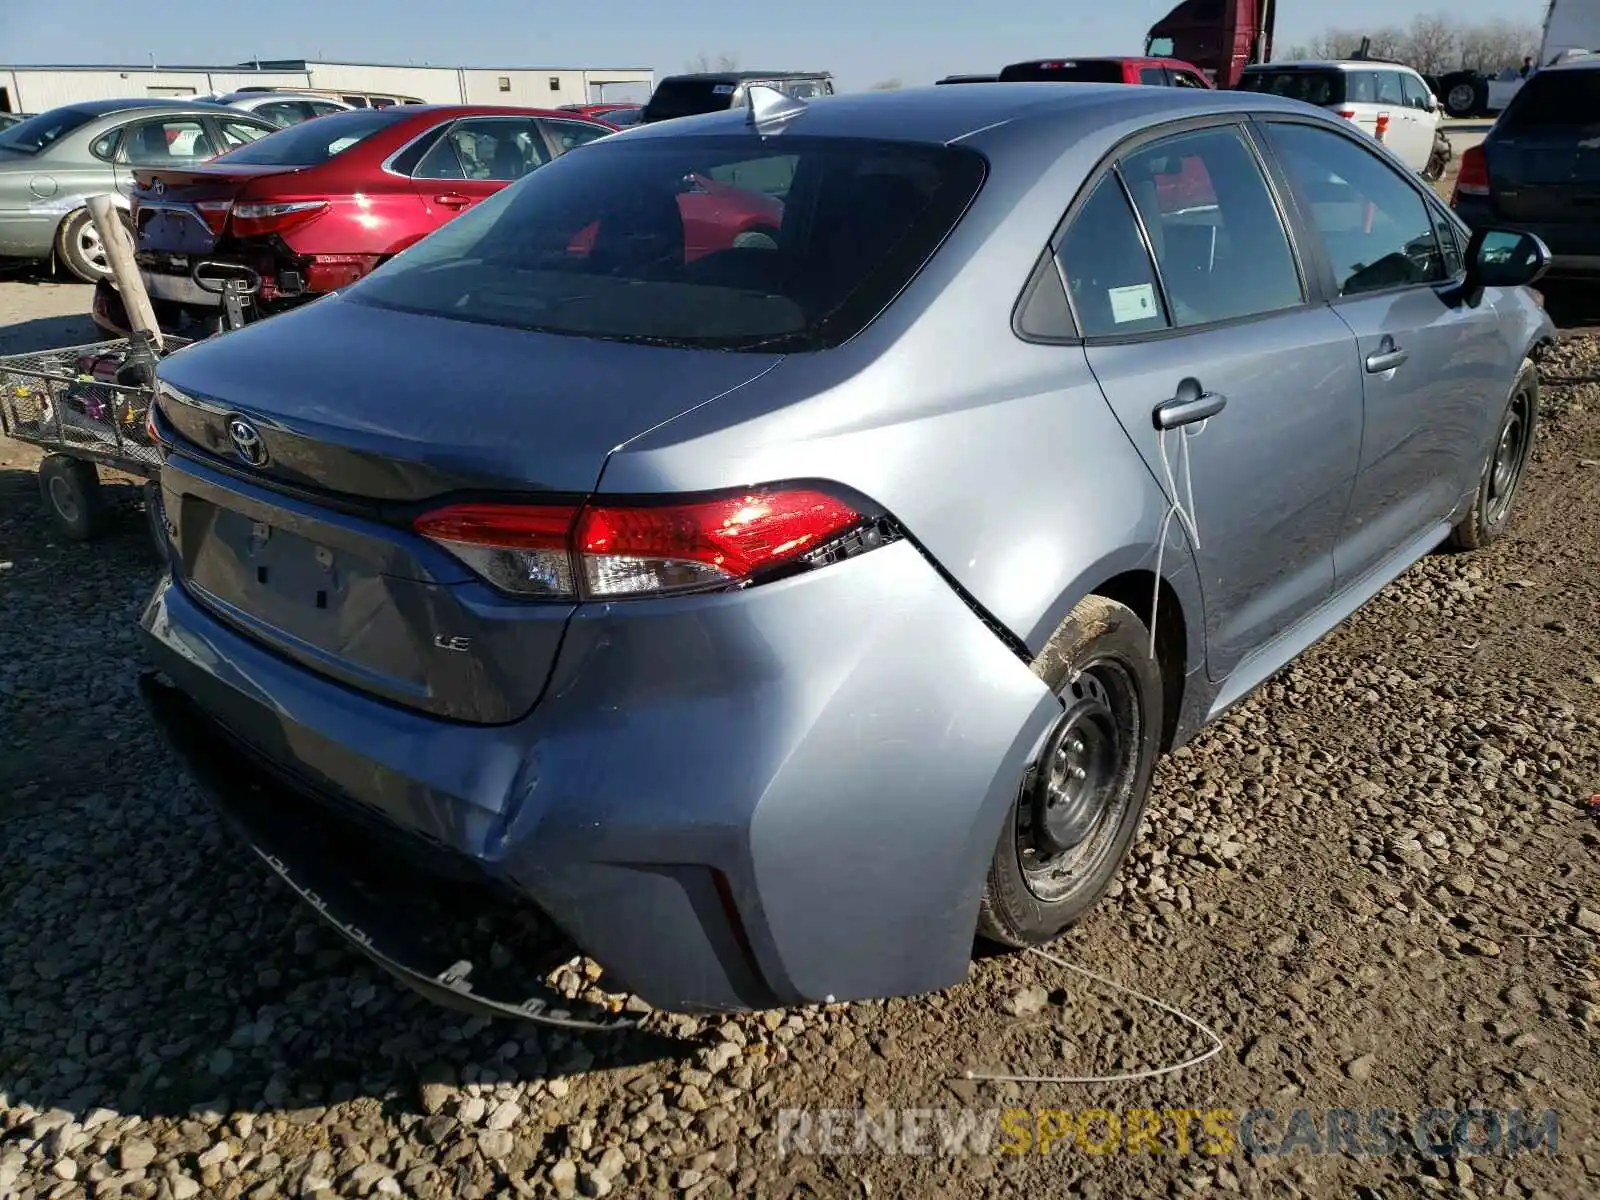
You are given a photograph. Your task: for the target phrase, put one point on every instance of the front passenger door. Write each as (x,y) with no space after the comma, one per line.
(1433,370)
(1221,319)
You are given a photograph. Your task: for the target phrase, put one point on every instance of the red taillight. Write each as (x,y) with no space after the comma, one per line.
(1349,114)
(260,219)
(1474,177)
(215,213)
(605,550)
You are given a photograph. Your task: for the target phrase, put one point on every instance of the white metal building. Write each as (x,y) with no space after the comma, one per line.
(37,88)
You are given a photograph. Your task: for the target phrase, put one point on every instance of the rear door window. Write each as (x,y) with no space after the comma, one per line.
(1219,242)
(1110,278)
(1390,89)
(1376,228)
(164,141)
(235,133)
(566,135)
(1318,87)
(1560,99)
(804,89)
(499,149)
(1361,87)
(284,113)
(1153,76)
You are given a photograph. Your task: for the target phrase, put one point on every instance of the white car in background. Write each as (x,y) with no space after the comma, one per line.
(1391,102)
(283,108)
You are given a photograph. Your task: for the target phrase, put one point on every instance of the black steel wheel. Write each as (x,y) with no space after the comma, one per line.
(1079,804)
(1503,471)
(70,489)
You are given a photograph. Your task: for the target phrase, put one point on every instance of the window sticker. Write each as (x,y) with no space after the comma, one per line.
(1136,302)
(722,89)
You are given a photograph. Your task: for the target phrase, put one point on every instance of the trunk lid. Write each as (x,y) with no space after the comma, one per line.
(182,211)
(1546,176)
(364,415)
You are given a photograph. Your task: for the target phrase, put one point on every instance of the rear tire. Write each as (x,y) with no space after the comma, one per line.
(1079,806)
(79,248)
(70,488)
(1496,496)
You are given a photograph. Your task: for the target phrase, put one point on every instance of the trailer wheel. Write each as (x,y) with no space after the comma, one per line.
(71,491)
(1465,98)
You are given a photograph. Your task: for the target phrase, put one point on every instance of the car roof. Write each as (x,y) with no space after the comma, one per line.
(937,114)
(1135,59)
(1583,62)
(285,94)
(104,108)
(746,76)
(1333,64)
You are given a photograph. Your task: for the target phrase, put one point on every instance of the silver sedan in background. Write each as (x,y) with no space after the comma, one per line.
(51,163)
(284,108)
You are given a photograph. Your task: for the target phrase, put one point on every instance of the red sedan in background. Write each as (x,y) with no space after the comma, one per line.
(314,207)
(612,112)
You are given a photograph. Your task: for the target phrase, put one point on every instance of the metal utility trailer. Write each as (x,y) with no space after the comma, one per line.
(67,402)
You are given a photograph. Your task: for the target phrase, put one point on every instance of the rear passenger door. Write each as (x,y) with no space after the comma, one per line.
(473,159)
(1153,76)
(1191,300)
(1434,371)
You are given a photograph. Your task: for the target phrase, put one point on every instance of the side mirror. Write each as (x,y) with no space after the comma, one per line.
(1430,103)
(1502,258)
(1506,258)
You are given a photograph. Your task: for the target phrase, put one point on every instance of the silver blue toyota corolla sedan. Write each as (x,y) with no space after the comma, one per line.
(775,616)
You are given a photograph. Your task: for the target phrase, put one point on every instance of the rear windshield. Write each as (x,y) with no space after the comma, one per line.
(1563,99)
(34,134)
(1314,87)
(1062,72)
(728,242)
(689,98)
(312,142)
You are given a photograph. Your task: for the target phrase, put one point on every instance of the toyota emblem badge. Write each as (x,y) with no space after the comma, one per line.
(247,443)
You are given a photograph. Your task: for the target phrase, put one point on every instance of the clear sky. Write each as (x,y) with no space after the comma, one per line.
(860,42)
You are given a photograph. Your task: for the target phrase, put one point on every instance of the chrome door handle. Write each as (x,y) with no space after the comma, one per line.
(1191,403)
(1386,357)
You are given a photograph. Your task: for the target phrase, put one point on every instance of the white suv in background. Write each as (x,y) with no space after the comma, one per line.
(1364,92)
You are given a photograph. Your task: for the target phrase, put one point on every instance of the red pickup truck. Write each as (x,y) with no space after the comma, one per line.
(1157,72)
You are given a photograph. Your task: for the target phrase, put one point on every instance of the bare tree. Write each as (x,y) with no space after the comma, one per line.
(1434,43)
(887,85)
(701,63)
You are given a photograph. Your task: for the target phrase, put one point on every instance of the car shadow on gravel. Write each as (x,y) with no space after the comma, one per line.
(1572,305)
(149,963)
(49,333)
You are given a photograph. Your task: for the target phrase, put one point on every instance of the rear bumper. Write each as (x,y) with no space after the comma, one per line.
(1574,245)
(736,801)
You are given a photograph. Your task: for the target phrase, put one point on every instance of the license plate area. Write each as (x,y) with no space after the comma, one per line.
(174,231)
(312,592)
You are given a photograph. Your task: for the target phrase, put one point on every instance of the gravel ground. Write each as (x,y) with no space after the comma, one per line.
(1375,881)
